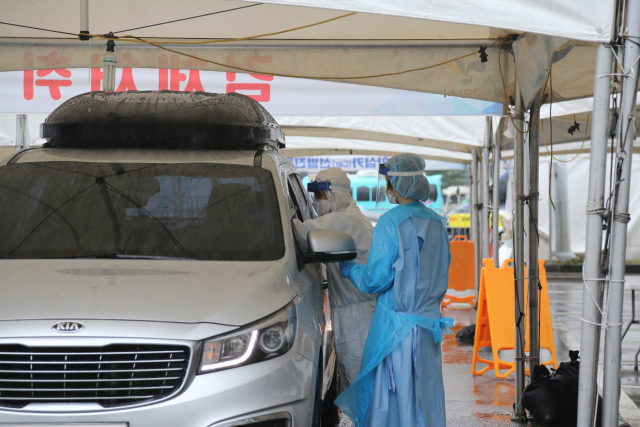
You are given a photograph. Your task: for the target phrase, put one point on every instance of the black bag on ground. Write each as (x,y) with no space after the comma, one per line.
(467,334)
(552,398)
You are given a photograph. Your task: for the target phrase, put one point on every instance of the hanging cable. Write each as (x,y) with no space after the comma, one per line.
(191,17)
(39,29)
(475,52)
(135,39)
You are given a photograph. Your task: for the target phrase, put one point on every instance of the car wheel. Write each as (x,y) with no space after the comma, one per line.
(330,413)
(317,406)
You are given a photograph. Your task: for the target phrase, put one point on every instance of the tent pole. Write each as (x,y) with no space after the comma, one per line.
(518,250)
(484,182)
(560,232)
(532,263)
(612,343)
(592,269)
(474,218)
(497,146)
(19,132)
(84,19)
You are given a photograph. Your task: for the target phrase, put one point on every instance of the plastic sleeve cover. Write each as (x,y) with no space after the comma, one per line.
(377,274)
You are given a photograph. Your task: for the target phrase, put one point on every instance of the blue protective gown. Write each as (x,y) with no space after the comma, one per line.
(400,382)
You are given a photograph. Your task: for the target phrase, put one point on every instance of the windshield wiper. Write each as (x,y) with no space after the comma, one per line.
(121,256)
(102,182)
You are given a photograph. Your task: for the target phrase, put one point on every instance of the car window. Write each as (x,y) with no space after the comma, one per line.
(203,211)
(363,194)
(300,196)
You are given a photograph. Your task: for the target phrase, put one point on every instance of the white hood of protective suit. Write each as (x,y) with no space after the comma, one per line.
(339,197)
(351,310)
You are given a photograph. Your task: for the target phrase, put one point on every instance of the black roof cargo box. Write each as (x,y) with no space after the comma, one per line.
(162,119)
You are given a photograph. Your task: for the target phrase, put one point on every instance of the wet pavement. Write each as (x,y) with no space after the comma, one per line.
(485,400)
(472,400)
(565,296)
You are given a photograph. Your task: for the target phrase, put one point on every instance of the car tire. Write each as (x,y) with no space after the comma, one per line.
(330,412)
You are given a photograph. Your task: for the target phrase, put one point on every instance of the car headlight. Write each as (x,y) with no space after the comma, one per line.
(265,339)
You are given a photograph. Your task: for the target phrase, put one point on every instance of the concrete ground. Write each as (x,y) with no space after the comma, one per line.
(488,401)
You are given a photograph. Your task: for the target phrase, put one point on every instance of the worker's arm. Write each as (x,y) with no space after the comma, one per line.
(377,274)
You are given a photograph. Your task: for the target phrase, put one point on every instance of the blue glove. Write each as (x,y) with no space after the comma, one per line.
(346,267)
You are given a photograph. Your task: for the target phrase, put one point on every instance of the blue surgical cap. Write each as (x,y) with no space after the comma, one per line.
(414,187)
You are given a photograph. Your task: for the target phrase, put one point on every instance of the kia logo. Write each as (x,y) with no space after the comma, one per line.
(68,327)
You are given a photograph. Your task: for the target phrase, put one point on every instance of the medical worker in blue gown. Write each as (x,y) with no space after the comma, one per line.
(400,382)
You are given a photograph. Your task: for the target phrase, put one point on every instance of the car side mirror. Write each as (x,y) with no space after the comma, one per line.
(329,246)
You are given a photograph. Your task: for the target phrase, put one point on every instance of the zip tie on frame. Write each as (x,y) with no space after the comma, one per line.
(584,284)
(622,217)
(591,323)
(593,209)
(528,197)
(625,73)
(604,323)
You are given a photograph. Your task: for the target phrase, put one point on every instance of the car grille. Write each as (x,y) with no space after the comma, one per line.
(113,375)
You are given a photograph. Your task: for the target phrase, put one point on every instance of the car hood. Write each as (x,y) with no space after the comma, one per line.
(228,293)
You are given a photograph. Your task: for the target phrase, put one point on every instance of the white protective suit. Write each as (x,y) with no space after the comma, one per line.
(351,309)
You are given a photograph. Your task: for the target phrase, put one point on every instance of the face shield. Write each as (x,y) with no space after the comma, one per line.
(381,191)
(321,196)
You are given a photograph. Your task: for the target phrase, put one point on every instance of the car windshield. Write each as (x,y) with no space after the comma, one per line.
(192,211)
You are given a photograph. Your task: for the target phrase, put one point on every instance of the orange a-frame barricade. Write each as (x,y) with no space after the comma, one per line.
(461,273)
(495,324)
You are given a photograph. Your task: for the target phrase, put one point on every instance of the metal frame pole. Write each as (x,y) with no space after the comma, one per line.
(532,263)
(484,182)
(612,347)
(474,219)
(518,250)
(497,147)
(592,268)
(19,132)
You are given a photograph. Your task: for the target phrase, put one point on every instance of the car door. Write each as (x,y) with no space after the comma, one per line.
(300,204)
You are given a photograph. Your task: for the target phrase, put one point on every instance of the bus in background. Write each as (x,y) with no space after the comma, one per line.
(454,196)
(363,190)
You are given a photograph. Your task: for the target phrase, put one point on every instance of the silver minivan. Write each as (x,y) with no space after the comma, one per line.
(151,275)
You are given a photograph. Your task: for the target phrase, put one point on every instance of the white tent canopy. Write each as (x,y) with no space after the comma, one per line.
(350,49)
(588,20)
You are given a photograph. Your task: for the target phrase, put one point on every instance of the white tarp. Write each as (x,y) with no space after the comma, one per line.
(454,133)
(578,176)
(304,142)
(349,50)
(588,20)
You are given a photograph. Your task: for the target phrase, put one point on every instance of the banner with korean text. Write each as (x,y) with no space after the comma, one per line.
(41,91)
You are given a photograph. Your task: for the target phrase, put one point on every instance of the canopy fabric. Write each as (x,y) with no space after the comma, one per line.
(302,142)
(578,175)
(588,20)
(350,49)
(296,145)
(453,133)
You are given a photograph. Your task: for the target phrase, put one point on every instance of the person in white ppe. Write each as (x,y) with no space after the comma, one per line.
(351,309)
